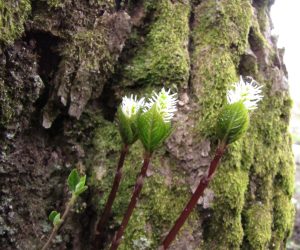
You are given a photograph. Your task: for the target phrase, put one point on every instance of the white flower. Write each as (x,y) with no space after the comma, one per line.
(165,104)
(249,92)
(130,106)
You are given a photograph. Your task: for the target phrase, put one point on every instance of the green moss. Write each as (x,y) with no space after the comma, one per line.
(223,25)
(216,70)
(229,186)
(161,201)
(255,178)
(56,3)
(283,212)
(13,14)
(220,37)
(108,3)
(263,154)
(159,206)
(163,58)
(258,226)
(230,191)
(89,47)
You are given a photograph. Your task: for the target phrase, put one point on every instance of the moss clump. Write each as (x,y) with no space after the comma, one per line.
(13,14)
(229,186)
(223,25)
(258,226)
(216,71)
(283,212)
(164,56)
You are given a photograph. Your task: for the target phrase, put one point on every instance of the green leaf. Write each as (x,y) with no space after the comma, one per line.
(57,220)
(233,122)
(127,127)
(80,190)
(80,187)
(152,129)
(73,179)
(52,215)
(82,179)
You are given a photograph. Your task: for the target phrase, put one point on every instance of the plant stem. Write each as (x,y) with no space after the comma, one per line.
(63,218)
(134,199)
(195,197)
(107,210)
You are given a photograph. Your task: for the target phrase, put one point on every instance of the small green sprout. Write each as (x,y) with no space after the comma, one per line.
(54,217)
(76,183)
(77,186)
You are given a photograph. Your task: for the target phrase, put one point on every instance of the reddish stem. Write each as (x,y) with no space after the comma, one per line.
(195,197)
(134,199)
(107,210)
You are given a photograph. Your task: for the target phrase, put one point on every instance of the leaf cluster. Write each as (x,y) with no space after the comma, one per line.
(76,183)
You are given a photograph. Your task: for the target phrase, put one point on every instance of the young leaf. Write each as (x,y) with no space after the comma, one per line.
(233,122)
(125,128)
(80,187)
(57,220)
(83,179)
(73,179)
(80,190)
(52,215)
(153,130)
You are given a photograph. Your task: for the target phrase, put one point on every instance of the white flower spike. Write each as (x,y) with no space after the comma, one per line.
(249,92)
(165,104)
(131,106)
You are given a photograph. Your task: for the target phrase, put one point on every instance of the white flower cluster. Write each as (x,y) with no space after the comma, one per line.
(131,106)
(165,104)
(249,92)
(164,101)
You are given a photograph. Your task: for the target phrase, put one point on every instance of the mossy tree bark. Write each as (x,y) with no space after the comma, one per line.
(64,66)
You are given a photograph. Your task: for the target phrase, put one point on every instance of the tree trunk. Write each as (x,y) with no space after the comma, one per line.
(64,66)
